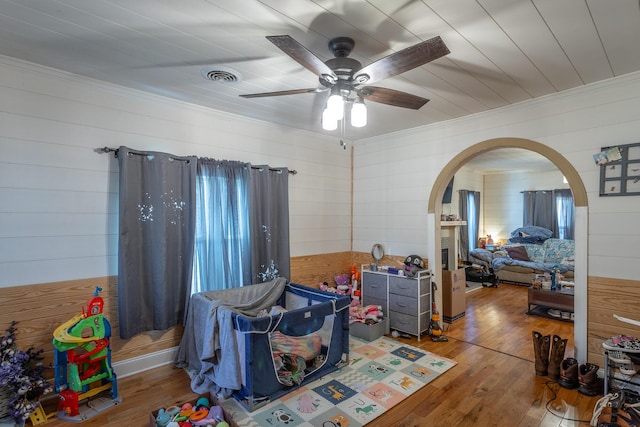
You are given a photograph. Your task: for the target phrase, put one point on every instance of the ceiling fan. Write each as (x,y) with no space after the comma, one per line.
(345,76)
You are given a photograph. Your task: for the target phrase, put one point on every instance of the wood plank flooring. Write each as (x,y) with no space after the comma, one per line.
(493,384)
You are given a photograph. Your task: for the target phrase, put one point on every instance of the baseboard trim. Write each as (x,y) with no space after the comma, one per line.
(135,365)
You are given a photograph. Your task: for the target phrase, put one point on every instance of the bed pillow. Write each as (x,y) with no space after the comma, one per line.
(501,253)
(518,253)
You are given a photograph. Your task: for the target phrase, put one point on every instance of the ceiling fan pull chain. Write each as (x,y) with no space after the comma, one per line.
(343,144)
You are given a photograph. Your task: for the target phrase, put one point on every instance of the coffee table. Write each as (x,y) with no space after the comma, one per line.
(539,300)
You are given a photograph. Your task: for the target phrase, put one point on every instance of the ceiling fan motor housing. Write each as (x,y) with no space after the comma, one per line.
(341,47)
(344,68)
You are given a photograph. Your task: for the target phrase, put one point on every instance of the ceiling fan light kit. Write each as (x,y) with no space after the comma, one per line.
(335,110)
(335,105)
(358,113)
(345,76)
(329,122)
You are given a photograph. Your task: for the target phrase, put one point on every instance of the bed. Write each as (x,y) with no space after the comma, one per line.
(259,342)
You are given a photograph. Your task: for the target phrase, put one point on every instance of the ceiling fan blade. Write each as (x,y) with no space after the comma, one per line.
(392,97)
(404,60)
(304,57)
(283,92)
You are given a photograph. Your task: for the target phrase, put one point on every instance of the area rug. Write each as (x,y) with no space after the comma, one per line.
(472,286)
(380,375)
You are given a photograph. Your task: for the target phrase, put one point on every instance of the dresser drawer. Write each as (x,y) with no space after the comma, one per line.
(405,323)
(374,285)
(407,286)
(408,305)
(403,286)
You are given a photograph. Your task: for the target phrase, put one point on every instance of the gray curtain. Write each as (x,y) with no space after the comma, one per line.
(540,210)
(565,213)
(269,201)
(469,207)
(222,257)
(155,248)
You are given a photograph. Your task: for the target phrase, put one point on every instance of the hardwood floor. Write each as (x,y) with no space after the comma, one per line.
(493,384)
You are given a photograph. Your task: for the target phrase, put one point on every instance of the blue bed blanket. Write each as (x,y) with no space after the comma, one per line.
(209,346)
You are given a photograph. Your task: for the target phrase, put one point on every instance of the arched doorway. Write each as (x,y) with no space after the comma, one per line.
(581,221)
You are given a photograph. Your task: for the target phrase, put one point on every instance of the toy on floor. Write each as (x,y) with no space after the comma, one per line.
(200,414)
(345,283)
(435,329)
(82,360)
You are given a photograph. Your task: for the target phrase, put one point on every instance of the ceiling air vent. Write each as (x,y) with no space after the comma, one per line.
(220,74)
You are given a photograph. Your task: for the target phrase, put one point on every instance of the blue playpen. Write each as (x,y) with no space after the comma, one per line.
(297,337)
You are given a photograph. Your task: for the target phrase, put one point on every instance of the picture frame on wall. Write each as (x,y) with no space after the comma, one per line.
(620,170)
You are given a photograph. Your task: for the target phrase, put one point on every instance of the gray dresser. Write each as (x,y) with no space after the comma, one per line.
(405,301)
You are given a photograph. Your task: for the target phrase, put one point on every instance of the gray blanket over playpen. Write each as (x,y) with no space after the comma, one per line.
(208,347)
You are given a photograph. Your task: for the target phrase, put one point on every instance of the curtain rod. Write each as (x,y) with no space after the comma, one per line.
(547,191)
(115,153)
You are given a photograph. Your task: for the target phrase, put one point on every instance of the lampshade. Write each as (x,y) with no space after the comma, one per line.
(358,113)
(335,105)
(329,122)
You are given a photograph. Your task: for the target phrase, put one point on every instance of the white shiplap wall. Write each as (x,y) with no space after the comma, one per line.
(465,179)
(394,174)
(503,198)
(58,216)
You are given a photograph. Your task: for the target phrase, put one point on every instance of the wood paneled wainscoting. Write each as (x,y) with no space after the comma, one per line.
(312,270)
(41,308)
(605,298)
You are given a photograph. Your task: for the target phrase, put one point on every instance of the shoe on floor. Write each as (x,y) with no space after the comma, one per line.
(554,313)
(569,373)
(588,379)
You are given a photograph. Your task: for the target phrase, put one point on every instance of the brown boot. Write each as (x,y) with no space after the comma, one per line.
(569,373)
(588,379)
(558,345)
(541,352)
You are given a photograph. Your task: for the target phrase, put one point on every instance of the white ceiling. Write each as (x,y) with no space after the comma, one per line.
(502,51)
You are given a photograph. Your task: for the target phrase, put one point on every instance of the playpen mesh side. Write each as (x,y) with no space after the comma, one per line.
(310,314)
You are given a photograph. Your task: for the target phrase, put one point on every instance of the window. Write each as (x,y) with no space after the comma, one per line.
(469,209)
(473,217)
(565,214)
(551,209)
(222,250)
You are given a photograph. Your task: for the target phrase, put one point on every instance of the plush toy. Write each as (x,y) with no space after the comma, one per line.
(374,313)
(343,279)
(368,314)
(355,309)
(340,289)
(324,286)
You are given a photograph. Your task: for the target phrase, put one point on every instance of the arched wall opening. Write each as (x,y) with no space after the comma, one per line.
(581,221)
